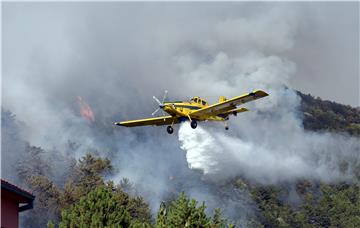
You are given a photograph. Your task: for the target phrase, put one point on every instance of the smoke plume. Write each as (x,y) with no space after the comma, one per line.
(312,156)
(267,144)
(116,56)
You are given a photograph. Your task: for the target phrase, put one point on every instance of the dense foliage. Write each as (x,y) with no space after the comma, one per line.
(184,212)
(86,200)
(104,207)
(85,176)
(330,206)
(99,208)
(330,116)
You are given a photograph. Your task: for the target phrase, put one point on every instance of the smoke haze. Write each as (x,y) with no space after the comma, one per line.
(307,155)
(116,56)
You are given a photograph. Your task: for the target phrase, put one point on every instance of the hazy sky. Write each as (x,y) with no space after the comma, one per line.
(324,42)
(326,52)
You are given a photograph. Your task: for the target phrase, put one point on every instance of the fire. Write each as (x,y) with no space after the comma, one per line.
(85,110)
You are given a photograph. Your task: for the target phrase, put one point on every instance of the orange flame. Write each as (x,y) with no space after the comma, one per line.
(85,110)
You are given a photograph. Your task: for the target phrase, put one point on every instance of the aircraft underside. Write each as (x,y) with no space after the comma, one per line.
(193,123)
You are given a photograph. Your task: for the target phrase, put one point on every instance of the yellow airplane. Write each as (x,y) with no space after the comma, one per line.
(197,109)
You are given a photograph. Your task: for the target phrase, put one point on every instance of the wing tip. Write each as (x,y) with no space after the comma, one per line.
(261,93)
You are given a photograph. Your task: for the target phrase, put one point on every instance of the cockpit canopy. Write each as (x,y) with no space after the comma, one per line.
(198,100)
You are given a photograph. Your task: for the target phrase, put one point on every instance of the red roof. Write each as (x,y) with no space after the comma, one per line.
(27,195)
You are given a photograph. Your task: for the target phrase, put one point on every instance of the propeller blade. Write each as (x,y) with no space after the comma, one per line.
(157,100)
(155,111)
(164,97)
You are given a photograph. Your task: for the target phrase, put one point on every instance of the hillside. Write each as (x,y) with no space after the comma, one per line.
(323,115)
(297,203)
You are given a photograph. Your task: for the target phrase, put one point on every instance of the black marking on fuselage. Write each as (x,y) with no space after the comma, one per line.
(187,106)
(170,102)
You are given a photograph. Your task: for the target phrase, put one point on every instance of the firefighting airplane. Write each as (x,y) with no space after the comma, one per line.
(197,109)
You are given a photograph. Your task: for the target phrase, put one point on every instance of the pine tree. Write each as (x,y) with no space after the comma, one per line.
(184,212)
(50,224)
(161,216)
(86,176)
(97,209)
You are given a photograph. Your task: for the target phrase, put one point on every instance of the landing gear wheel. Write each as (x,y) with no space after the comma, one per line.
(169,129)
(193,124)
(226,128)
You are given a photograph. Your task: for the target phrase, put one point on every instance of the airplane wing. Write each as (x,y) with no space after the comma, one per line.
(226,106)
(235,111)
(162,120)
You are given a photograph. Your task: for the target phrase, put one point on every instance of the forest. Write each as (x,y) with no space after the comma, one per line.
(83,194)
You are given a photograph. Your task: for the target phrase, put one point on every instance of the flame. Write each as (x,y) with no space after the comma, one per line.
(85,110)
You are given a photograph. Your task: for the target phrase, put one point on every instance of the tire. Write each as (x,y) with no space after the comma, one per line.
(170,130)
(193,124)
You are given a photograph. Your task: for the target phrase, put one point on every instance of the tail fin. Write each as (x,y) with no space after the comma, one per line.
(222,99)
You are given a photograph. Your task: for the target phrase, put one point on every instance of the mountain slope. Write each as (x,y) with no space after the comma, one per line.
(323,115)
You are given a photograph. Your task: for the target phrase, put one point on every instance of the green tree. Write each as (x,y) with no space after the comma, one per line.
(99,208)
(86,176)
(135,205)
(275,213)
(161,216)
(327,115)
(34,164)
(338,206)
(35,171)
(184,212)
(335,205)
(50,224)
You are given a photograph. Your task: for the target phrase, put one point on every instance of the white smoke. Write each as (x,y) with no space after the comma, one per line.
(307,155)
(267,144)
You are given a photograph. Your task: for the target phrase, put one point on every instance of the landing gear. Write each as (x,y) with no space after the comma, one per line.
(193,124)
(170,129)
(226,125)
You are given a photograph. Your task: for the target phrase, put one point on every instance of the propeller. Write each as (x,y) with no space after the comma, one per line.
(155,111)
(164,97)
(157,100)
(161,104)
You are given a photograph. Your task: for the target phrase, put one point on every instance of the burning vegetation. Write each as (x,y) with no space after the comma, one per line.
(85,110)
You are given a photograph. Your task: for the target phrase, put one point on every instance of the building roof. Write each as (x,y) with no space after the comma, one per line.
(24,194)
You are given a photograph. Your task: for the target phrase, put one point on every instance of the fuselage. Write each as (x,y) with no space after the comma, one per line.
(184,108)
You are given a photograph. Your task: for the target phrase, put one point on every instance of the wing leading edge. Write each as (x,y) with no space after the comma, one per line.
(163,120)
(228,105)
